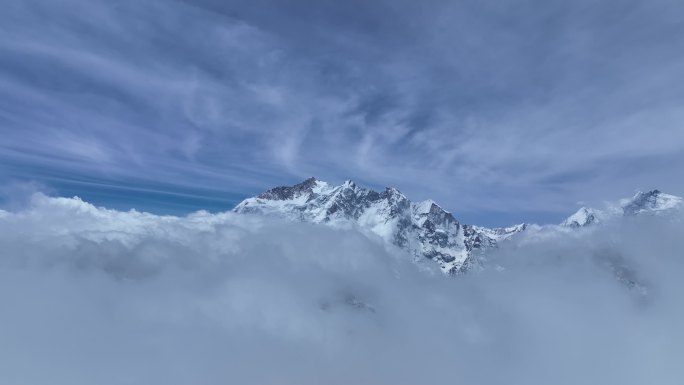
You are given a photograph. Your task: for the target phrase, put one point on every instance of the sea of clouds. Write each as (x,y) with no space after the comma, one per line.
(96,296)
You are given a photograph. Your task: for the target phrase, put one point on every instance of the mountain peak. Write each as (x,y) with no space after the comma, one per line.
(287,192)
(424,229)
(651,201)
(393,191)
(582,217)
(349,184)
(429,206)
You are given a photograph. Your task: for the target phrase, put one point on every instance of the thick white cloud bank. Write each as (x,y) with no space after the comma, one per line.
(94,296)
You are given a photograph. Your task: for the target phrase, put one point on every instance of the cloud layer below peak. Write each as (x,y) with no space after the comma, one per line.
(92,295)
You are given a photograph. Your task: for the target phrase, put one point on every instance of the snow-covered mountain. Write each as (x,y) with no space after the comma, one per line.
(653,202)
(424,229)
(583,217)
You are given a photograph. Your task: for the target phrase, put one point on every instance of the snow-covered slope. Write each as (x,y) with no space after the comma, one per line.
(583,217)
(502,233)
(653,202)
(424,228)
(642,203)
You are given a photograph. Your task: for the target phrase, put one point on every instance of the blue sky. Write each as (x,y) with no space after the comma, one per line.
(501,111)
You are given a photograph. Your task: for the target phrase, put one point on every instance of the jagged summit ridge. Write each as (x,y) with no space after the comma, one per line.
(287,193)
(424,229)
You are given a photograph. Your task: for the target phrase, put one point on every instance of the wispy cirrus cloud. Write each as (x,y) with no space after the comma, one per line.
(509,109)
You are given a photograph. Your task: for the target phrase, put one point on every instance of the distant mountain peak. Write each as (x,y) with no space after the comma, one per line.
(426,206)
(651,202)
(349,184)
(424,229)
(582,217)
(289,192)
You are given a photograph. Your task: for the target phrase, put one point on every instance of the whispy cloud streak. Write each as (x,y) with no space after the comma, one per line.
(504,106)
(92,295)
